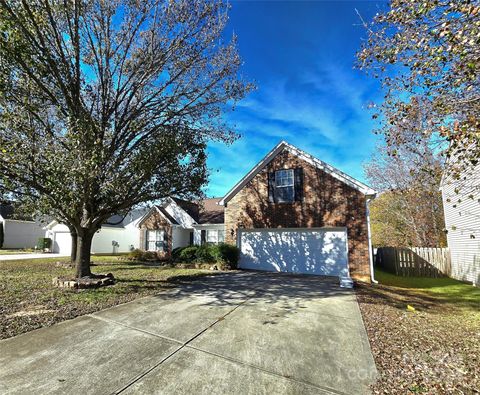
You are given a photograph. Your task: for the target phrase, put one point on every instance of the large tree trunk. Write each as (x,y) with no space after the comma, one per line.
(84,245)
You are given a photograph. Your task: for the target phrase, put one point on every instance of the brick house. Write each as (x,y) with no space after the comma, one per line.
(291,212)
(179,223)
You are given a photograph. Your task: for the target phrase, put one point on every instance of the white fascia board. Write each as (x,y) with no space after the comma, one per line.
(252,173)
(338,174)
(50,225)
(163,215)
(334,172)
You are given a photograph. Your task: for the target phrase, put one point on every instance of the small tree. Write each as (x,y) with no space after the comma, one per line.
(409,211)
(107,105)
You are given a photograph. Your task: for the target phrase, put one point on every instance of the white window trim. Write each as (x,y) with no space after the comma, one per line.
(155,239)
(216,233)
(292,185)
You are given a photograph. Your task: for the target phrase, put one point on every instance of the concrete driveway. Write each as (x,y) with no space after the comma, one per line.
(238,333)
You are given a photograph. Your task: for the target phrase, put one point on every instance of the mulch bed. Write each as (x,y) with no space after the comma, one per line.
(432,350)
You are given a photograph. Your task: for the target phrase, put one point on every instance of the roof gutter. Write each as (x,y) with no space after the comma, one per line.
(370,249)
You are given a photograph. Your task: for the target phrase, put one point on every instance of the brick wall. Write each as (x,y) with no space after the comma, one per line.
(327,202)
(155,221)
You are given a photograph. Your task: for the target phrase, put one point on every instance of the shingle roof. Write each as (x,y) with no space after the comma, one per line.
(205,211)
(115,221)
(190,208)
(8,211)
(210,212)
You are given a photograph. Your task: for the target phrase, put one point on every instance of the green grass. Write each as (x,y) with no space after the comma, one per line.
(29,300)
(444,290)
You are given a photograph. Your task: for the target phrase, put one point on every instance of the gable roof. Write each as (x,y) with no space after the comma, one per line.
(205,211)
(168,217)
(283,145)
(190,208)
(161,210)
(211,212)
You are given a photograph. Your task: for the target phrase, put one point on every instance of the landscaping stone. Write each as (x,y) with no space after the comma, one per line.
(98,280)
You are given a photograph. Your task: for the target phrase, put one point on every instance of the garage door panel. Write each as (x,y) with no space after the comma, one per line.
(321,252)
(62,243)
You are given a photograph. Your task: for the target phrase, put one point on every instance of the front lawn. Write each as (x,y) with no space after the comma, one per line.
(432,348)
(30,301)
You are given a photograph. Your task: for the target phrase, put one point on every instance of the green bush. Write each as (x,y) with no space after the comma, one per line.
(176,253)
(226,254)
(205,254)
(44,243)
(188,254)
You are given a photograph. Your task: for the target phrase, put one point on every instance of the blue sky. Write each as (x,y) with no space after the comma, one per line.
(301,56)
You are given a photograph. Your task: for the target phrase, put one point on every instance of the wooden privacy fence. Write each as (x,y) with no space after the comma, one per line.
(414,261)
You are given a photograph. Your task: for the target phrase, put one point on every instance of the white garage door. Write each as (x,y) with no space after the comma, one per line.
(62,243)
(308,251)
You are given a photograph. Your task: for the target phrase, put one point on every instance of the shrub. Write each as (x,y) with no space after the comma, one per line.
(140,255)
(226,255)
(44,243)
(205,254)
(149,255)
(176,252)
(136,254)
(188,254)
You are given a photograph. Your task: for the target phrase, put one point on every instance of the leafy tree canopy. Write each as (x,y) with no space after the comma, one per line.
(427,53)
(105,105)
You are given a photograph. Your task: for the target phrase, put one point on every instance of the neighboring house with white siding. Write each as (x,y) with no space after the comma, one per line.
(19,231)
(461,203)
(119,234)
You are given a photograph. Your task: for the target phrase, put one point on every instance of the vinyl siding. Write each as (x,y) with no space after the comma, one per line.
(21,234)
(461,202)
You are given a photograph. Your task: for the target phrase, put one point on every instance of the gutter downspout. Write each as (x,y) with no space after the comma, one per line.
(370,250)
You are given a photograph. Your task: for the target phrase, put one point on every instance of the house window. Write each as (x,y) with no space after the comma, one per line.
(215,236)
(221,236)
(155,240)
(212,236)
(284,185)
